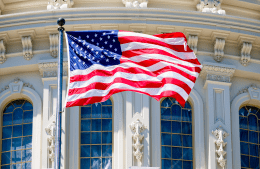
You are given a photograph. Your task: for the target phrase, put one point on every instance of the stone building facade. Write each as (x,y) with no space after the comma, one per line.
(221,120)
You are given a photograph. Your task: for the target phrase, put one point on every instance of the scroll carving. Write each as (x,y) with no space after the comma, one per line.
(54,41)
(27,47)
(245,53)
(137,127)
(220,135)
(50,130)
(2,52)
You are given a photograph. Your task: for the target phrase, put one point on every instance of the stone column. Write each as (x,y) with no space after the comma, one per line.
(137,142)
(48,70)
(218,124)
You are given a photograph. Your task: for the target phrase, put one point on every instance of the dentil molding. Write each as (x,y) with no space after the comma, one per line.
(137,127)
(220,135)
(217,73)
(210,6)
(135,3)
(50,69)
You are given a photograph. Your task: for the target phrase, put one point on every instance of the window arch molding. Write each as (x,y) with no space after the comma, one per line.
(118,134)
(32,96)
(198,119)
(239,101)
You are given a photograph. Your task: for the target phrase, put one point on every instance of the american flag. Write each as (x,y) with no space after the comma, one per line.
(102,63)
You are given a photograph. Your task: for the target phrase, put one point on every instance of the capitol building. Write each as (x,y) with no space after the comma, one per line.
(219,127)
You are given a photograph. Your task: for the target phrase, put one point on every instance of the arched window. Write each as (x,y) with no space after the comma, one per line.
(96,136)
(17,135)
(249,117)
(176,135)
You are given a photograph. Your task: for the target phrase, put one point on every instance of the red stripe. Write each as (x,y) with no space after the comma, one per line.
(91,100)
(128,39)
(150,62)
(137,52)
(133,70)
(172,35)
(136,84)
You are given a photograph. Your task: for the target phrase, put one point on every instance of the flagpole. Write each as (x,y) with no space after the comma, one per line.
(60,22)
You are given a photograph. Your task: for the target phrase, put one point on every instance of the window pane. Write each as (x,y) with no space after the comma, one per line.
(176,135)
(97,121)
(18,148)
(249,135)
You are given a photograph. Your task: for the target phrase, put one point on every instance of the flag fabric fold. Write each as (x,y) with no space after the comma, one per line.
(102,63)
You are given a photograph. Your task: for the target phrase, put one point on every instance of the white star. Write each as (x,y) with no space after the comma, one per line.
(98,61)
(79,40)
(93,58)
(74,57)
(113,40)
(112,31)
(83,63)
(102,47)
(92,49)
(101,56)
(100,39)
(74,64)
(97,44)
(92,40)
(85,51)
(115,49)
(104,33)
(84,42)
(107,60)
(89,59)
(87,36)
(96,53)
(81,55)
(110,46)
(114,55)
(95,35)
(108,37)
(77,46)
(72,42)
(73,49)
(88,46)
(114,58)
(89,55)
(105,53)
(105,42)
(80,48)
(79,60)
(85,57)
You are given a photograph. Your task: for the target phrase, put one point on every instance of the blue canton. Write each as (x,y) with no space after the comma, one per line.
(93,47)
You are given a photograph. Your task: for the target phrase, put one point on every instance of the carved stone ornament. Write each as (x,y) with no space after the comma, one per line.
(219,49)
(2,52)
(245,53)
(217,73)
(59,4)
(137,127)
(49,69)
(50,130)
(210,6)
(220,135)
(193,42)
(27,47)
(135,3)
(16,86)
(54,42)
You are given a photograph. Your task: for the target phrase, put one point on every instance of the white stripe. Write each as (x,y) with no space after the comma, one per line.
(170,41)
(152,68)
(139,45)
(143,57)
(151,91)
(132,77)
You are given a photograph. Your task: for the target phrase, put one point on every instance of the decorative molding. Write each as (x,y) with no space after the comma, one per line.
(59,4)
(135,3)
(137,127)
(161,30)
(220,135)
(49,69)
(27,47)
(50,130)
(54,44)
(16,86)
(210,6)
(2,52)
(219,49)
(193,42)
(217,73)
(245,53)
